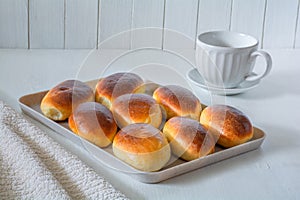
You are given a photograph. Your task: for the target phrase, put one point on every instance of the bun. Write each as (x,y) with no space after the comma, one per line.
(178,101)
(115,85)
(150,87)
(59,102)
(229,124)
(142,146)
(93,122)
(188,138)
(136,108)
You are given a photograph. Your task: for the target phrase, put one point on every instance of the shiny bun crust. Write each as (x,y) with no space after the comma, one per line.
(72,124)
(228,124)
(93,122)
(178,101)
(136,108)
(58,103)
(188,138)
(142,146)
(115,85)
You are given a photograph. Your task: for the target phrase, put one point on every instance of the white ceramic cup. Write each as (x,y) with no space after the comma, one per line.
(225,59)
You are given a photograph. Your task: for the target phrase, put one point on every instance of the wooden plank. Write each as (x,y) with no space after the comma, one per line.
(297,33)
(280,24)
(13,24)
(115,24)
(214,15)
(147,23)
(46,23)
(244,20)
(81,24)
(180,24)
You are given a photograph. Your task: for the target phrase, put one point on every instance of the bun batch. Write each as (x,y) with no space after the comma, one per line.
(145,129)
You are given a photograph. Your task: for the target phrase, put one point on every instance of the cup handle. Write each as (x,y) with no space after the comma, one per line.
(254,77)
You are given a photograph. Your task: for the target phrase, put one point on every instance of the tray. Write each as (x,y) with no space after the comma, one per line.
(30,105)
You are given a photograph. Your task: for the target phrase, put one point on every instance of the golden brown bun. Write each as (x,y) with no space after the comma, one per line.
(150,87)
(59,102)
(115,85)
(188,138)
(136,108)
(142,146)
(72,124)
(93,122)
(228,124)
(178,101)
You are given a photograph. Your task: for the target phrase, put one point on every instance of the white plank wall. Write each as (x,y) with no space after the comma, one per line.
(81,18)
(46,23)
(147,23)
(280,23)
(180,24)
(115,24)
(13,28)
(214,15)
(174,23)
(243,20)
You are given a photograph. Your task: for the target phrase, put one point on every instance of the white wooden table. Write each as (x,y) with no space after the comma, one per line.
(271,172)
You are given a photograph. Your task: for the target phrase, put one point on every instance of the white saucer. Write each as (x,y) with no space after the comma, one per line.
(194,76)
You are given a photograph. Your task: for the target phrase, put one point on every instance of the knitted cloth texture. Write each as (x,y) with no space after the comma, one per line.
(34,166)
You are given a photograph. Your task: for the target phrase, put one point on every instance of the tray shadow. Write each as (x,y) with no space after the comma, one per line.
(280,141)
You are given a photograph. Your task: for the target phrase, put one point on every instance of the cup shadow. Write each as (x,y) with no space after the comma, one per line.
(276,84)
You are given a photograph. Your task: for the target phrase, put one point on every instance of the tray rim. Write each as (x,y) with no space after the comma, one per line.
(142,176)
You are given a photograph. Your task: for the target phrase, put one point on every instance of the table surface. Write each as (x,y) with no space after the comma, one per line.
(271,172)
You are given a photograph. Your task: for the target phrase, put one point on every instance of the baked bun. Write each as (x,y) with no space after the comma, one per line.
(93,122)
(178,101)
(59,102)
(188,138)
(115,85)
(228,124)
(142,146)
(136,108)
(150,87)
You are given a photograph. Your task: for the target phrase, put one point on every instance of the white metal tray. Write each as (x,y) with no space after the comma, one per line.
(30,105)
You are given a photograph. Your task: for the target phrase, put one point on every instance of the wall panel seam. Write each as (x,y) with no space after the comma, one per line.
(65,13)
(230,16)
(131,25)
(28,26)
(296,26)
(163,25)
(98,24)
(264,23)
(197,18)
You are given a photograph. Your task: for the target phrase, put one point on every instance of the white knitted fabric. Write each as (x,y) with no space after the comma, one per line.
(33,166)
